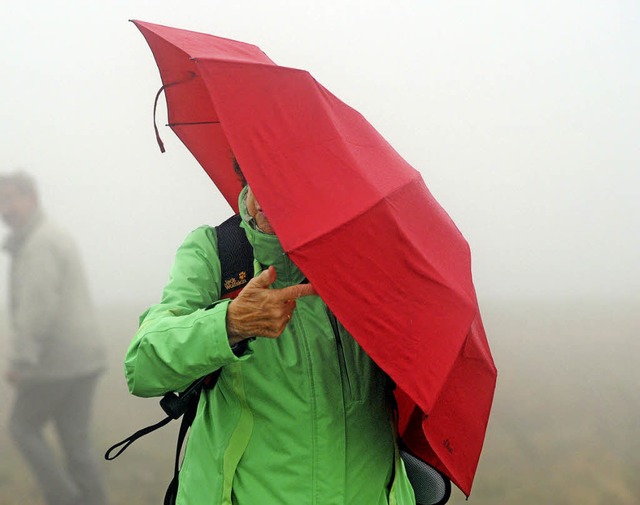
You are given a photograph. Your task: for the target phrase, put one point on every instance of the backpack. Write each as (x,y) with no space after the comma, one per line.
(236,261)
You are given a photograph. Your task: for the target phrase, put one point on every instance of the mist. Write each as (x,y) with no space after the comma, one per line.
(522,118)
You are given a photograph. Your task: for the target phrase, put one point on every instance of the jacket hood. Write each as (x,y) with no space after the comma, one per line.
(267,249)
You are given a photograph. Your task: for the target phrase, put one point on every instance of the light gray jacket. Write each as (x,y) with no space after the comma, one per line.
(54,327)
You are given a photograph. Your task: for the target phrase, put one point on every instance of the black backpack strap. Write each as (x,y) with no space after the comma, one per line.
(187,420)
(236,262)
(174,405)
(236,265)
(122,445)
(236,257)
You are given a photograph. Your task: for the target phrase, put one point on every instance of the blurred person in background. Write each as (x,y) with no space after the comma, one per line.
(56,355)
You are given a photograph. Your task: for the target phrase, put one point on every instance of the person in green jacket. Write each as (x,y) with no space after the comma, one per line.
(300,416)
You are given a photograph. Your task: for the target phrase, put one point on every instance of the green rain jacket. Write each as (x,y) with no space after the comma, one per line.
(299,420)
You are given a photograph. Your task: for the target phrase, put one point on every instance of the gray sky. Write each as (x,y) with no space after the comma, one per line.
(523,118)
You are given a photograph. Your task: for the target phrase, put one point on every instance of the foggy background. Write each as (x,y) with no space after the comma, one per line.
(523,118)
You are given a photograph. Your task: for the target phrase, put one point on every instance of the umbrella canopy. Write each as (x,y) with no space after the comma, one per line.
(356,218)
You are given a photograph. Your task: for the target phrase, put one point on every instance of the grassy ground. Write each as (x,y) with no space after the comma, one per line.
(564,430)
(140,475)
(564,427)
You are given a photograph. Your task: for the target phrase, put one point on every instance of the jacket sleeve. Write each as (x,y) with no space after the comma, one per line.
(184,337)
(37,303)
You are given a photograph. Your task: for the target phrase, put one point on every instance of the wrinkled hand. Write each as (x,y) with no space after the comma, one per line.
(262,312)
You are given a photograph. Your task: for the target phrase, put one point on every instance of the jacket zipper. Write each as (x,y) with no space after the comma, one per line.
(314,409)
(340,350)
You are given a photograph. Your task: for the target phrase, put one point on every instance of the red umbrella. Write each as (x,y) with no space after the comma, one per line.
(356,218)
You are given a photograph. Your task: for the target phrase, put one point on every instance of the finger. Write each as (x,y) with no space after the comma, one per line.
(265,279)
(295,292)
(289,307)
(306,290)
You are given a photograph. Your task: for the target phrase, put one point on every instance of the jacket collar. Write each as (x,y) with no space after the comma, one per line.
(267,249)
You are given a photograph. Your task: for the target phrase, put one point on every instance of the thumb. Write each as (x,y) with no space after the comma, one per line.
(265,279)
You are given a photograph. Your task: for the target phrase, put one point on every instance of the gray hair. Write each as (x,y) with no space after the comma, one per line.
(238,170)
(22,181)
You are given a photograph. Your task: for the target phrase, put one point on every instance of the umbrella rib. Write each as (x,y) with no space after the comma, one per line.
(416,178)
(192,124)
